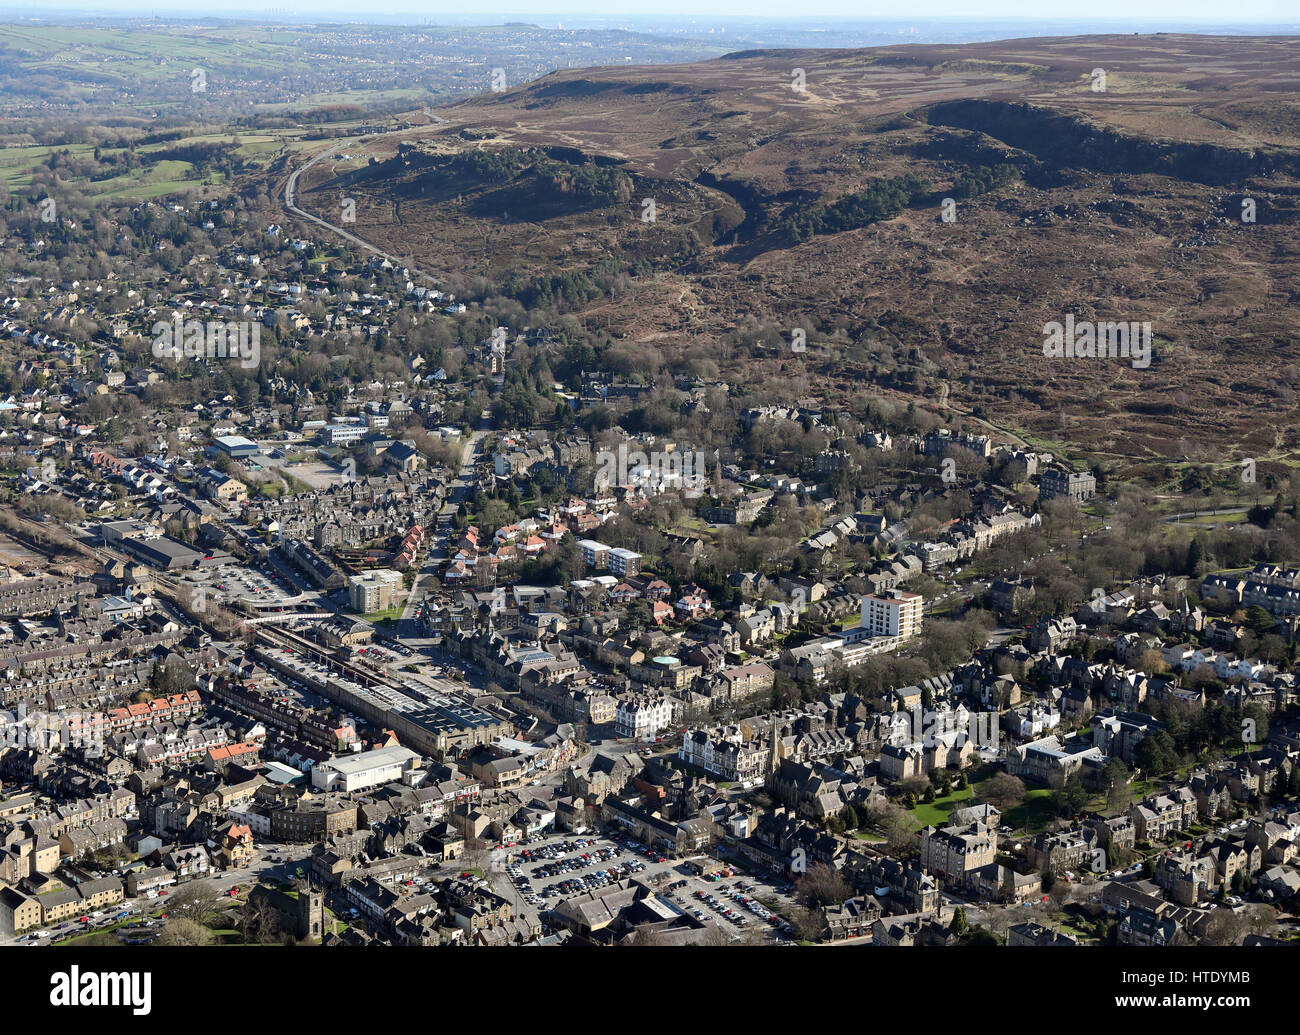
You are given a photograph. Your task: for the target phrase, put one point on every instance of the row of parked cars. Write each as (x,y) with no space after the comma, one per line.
(522,884)
(578,862)
(720,907)
(555,851)
(652,854)
(590,881)
(398,646)
(90,921)
(143,932)
(754,906)
(719,903)
(633,845)
(264,582)
(377,655)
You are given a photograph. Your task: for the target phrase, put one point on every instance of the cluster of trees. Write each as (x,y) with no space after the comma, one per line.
(527,398)
(587,183)
(582,181)
(100,165)
(1136,544)
(982,179)
(883,199)
(821,885)
(108,161)
(196,910)
(57,507)
(1191,733)
(209,156)
(1004,791)
(172,676)
(898,825)
(922,790)
(945,643)
(325,113)
(570,288)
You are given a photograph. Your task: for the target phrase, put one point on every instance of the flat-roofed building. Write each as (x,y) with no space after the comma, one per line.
(235,446)
(624,562)
(161,552)
(364,770)
(594,554)
(375,590)
(893,613)
(341,434)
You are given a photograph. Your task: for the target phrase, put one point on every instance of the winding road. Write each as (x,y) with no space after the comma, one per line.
(944,390)
(291,186)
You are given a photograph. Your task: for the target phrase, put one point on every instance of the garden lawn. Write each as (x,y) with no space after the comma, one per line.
(935,814)
(1032,814)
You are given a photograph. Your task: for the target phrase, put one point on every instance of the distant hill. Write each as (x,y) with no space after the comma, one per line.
(1104,178)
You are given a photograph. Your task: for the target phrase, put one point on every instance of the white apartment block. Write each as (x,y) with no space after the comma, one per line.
(893,613)
(624,562)
(594,554)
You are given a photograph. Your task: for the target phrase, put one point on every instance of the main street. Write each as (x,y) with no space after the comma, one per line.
(440,539)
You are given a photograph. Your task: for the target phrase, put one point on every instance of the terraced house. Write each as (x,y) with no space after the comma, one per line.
(725,754)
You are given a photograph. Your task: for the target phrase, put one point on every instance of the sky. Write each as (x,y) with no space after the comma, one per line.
(1160,12)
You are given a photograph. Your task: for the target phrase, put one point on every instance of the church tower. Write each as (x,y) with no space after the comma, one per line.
(773,750)
(311,914)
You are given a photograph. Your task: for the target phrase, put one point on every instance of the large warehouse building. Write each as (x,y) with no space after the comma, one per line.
(235,446)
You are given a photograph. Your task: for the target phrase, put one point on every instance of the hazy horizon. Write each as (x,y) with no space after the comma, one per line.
(1150,15)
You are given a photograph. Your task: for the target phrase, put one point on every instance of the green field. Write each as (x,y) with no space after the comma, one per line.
(158,179)
(1033,814)
(88,59)
(1236,517)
